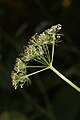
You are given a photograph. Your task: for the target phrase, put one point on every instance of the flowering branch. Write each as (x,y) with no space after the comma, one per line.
(38,50)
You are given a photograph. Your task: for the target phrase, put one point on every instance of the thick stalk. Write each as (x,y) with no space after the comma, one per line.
(64,78)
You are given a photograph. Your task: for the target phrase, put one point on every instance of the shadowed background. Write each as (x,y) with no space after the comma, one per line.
(49,97)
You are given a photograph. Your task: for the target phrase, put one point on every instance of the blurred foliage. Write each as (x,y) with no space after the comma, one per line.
(12,116)
(48,98)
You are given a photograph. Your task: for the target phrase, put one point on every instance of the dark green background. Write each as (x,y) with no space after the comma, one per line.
(49,97)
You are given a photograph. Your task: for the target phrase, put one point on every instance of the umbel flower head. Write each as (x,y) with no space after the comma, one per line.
(38,50)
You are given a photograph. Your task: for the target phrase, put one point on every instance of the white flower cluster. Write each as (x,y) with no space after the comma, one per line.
(19,74)
(36,50)
(37,43)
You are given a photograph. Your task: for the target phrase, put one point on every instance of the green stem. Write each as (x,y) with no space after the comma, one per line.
(35,66)
(44,60)
(64,78)
(52,53)
(37,72)
(40,61)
